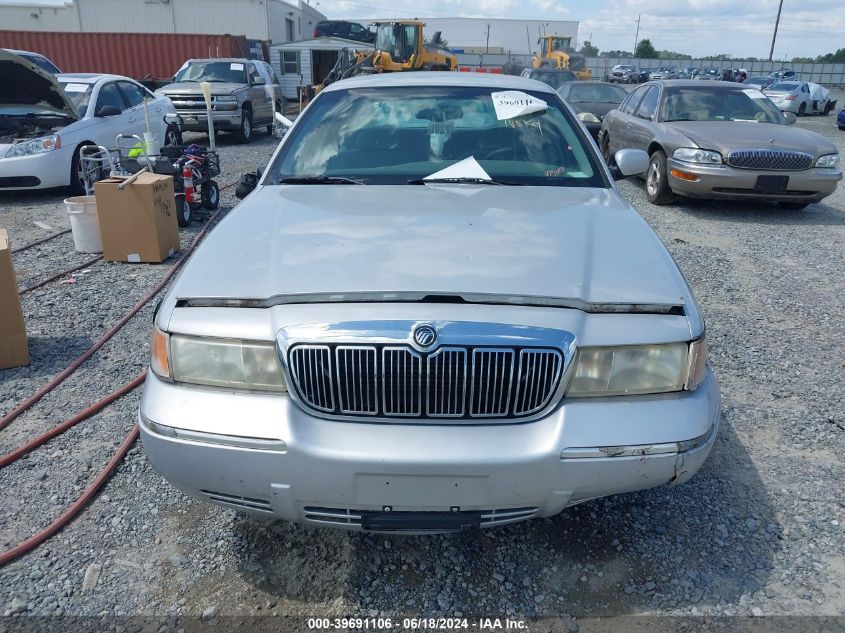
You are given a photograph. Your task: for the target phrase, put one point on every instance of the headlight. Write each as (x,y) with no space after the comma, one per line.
(229,363)
(35,146)
(588,117)
(828,160)
(630,369)
(696,155)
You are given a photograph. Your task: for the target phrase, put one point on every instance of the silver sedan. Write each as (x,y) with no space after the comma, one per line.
(435,312)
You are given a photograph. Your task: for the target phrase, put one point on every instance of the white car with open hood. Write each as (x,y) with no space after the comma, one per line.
(435,312)
(45,119)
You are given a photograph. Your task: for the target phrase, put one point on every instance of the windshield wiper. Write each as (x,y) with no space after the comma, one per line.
(473,181)
(319,180)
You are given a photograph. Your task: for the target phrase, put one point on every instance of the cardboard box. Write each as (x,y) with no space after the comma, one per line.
(138,223)
(14,350)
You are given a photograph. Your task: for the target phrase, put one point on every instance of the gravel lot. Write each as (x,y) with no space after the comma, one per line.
(758,531)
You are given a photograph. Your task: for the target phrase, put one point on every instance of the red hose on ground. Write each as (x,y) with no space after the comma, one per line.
(44,282)
(30,446)
(7,419)
(34,541)
(41,241)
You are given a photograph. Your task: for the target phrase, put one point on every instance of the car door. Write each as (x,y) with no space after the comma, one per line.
(804,96)
(260,94)
(621,119)
(107,128)
(135,95)
(641,124)
(273,81)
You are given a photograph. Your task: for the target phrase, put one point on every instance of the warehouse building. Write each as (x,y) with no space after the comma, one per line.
(276,21)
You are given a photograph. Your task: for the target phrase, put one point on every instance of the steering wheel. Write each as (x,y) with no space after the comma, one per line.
(500,154)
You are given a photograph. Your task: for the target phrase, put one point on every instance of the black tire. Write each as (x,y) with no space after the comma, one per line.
(841,127)
(210,195)
(802,109)
(657,180)
(77,180)
(173,135)
(827,109)
(184,213)
(244,135)
(795,206)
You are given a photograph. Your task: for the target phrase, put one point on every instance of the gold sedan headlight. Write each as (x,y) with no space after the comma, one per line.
(228,363)
(638,369)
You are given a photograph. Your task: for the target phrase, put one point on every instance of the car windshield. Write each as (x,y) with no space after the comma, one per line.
(78,93)
(710,104)
(393,135)
(228,72)
(785,87)
(553,79)
(596,93)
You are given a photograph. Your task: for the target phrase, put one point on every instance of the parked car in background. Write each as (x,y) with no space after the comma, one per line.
(591,101)
(761,82)
(553,78)
(709,74)
(664,72)
(784,75)
(643,74)
(721,140)
(245,94)
(840,118)
(624,74)
(688,73)
(800,97)
(346,30)
(45,119)
(327,356)
(42,61)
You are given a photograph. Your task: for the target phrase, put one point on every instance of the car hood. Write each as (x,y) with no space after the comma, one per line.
(724,137)
(529,246)
(25,84)
(193,88)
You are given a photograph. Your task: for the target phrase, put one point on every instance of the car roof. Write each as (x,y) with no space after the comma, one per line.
(90,78)
(428,78)
(689,83)
(222,59)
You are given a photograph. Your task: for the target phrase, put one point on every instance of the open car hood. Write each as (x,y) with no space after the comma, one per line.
(25,84)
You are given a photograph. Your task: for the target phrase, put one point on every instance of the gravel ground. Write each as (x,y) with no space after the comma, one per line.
(759,531)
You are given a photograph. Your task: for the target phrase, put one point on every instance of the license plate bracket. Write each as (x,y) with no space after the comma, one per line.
(421,521)
(771,184)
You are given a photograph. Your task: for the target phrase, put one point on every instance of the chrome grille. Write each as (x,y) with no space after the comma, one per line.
(311,370)
(539,371)
(352,518)
(356,380)
(770,159)
(451,382)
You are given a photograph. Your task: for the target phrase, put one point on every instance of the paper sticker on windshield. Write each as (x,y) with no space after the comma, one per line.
(514,103)
(76,87)
(236,66)
(754,94)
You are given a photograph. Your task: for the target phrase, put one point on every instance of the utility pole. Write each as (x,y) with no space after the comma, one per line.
(775,34)
(637,36)
(488,40)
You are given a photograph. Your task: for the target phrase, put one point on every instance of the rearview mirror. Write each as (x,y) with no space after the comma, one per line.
(791,119)
(106,111)
(247,184)
(629,162)
(171,118)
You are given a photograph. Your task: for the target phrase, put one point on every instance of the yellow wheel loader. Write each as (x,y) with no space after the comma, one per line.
(399,46)
(556,52)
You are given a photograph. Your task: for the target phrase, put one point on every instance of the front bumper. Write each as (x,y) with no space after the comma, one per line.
(725,182)
(38,171)
(197,121)
(285,463)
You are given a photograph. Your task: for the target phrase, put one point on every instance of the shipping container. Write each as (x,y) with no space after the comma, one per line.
(147,56)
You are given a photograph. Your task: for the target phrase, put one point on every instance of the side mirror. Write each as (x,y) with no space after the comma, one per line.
(629,162)
(790,117)
(247,184)
(106,111)
(171,118)
(258,81)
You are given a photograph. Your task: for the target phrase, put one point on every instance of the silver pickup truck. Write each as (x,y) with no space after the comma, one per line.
(244,95)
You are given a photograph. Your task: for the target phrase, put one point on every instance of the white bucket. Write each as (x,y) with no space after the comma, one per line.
(84,224)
